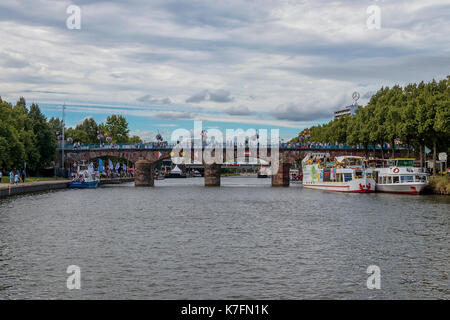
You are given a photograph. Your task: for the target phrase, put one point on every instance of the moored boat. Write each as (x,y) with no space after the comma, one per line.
(160,176)
(263,172)
(345,174)
(83,184)
(398,176)
(84,178)
(196,174)
(176,172)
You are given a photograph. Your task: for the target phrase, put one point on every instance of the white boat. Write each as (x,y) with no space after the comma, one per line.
(85,178)
(264,172)
(398,176)
(176,173)
(345,174)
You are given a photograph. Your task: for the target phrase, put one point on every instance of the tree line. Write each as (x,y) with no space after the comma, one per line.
(413,116)
(28,139)
(113,130)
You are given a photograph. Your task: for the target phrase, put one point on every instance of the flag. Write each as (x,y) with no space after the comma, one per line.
(100,165)
(117,166)
(124,167)
(110,165)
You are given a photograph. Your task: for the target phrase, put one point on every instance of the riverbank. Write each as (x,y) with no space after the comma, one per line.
(7,189)
(5,179)
(30,187)
(439,185)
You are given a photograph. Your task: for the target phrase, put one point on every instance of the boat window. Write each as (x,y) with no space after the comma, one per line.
(406,179)
(421,178)
(347,177)
(326,174)
(405,163)
(354,162)
(396,179)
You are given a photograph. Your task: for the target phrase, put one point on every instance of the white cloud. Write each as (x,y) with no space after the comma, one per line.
(291,57)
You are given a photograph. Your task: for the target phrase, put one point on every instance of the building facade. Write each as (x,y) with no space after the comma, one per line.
(348,110)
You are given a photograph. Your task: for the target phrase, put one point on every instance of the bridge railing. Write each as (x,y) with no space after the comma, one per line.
(294,146)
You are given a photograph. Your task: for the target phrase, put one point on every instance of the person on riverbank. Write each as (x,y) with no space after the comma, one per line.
(11,177)
(23,175)
(17,177)
(1,175)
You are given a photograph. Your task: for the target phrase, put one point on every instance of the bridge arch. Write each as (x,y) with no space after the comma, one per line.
(132,155)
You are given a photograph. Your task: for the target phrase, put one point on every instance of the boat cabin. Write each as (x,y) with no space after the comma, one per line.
(396,171)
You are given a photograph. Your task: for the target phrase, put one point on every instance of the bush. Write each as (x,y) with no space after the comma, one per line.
(440,184)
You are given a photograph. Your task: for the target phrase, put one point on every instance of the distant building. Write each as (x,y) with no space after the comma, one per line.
(348,110)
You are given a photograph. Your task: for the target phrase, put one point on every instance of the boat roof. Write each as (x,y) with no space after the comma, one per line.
(176,170)
(342,158)
(391,159)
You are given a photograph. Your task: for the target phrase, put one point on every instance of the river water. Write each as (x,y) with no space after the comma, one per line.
(244,240)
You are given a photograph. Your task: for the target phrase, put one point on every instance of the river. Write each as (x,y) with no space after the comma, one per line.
(244,240)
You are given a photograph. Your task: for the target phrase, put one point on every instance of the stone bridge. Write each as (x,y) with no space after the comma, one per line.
(145,160)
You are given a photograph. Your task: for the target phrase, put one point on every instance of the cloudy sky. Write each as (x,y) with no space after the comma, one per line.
(249,64)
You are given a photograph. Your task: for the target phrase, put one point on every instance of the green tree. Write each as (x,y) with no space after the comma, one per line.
(135,139)
(56,125)
(90,127)
(117,127)
(24,127)
(45,138)
(12,151)
(418,115)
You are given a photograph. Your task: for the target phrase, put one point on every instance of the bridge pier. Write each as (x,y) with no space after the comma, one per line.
(143,174)
(281,178)
(212,175)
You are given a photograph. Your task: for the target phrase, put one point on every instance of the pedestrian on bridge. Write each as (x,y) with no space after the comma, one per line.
(23,175)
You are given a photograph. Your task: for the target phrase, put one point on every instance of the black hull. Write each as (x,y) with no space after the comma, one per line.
(175,176)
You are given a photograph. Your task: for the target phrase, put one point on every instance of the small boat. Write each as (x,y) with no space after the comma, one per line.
(84,178)
(196,174)
(160,176)
(176,173)
(264,172)
(295,175)
(398,175)
(345,174)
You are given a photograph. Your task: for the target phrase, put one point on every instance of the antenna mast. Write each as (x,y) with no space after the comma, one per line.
(62,140)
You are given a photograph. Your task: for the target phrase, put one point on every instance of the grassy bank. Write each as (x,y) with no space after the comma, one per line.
(230,174)
(5,179)
(439,185)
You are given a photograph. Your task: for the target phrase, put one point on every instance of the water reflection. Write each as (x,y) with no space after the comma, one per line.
(243,240)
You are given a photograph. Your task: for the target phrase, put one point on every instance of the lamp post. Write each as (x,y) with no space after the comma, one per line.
(100,137)
(62,138)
